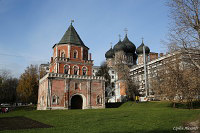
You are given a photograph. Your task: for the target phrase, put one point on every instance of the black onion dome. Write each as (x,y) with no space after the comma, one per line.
(119,46)
(130,47)
(139,50)
(109,53)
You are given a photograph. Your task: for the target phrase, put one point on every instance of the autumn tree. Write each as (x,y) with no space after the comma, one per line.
(42,72)
(27,89)
(185,28)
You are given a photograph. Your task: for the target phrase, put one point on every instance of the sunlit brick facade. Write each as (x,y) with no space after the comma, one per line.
(70,83)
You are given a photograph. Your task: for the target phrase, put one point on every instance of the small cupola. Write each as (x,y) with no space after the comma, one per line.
(139,50)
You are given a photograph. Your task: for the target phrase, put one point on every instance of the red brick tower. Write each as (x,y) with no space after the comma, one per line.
(70,55)
(70,83)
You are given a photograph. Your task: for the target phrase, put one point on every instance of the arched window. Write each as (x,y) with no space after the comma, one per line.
(76,86)
(75,70)
(75,54)
(55,99)
(63,54)
(66,69)
(84,70)
(99,100)
(42,101)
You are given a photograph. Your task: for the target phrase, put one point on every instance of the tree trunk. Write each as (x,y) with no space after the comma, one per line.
(174,105)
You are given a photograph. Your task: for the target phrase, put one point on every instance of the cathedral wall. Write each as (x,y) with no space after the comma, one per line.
(110,62)
(123,88)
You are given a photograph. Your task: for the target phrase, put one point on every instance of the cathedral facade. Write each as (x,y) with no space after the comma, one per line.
(70,83)
(124,52)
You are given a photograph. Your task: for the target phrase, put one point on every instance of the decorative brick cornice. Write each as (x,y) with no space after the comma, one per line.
(63,59)
(67,76)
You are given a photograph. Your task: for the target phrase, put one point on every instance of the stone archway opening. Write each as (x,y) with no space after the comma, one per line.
(76,102)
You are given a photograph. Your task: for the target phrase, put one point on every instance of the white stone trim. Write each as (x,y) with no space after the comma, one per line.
(61,108)
(56,102)
(62,51)
(59,75)
(76,53)
(81,53)
(86,70)
(69,72)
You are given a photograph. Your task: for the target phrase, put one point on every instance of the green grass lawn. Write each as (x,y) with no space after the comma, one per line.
(130,117)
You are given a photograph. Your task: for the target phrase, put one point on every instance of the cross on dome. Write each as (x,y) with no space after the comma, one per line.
(142,39)
(126,31)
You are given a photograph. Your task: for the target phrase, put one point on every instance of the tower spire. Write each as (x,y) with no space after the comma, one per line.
(72,21)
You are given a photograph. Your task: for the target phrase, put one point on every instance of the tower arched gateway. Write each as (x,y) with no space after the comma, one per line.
(71,73)
(78,101)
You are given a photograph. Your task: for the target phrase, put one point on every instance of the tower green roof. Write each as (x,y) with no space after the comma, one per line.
(71,37)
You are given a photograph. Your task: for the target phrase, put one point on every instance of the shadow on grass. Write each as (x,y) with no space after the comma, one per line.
(114,105)
(185,105)
(20,122)
(143,131)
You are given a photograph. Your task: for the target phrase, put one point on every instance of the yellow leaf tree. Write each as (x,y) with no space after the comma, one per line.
(27,89)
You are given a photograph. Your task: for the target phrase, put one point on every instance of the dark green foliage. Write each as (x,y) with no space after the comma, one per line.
(26,108)
(104,72)
(8,87)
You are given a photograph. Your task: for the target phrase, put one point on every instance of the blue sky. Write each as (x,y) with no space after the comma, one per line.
(29,28)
